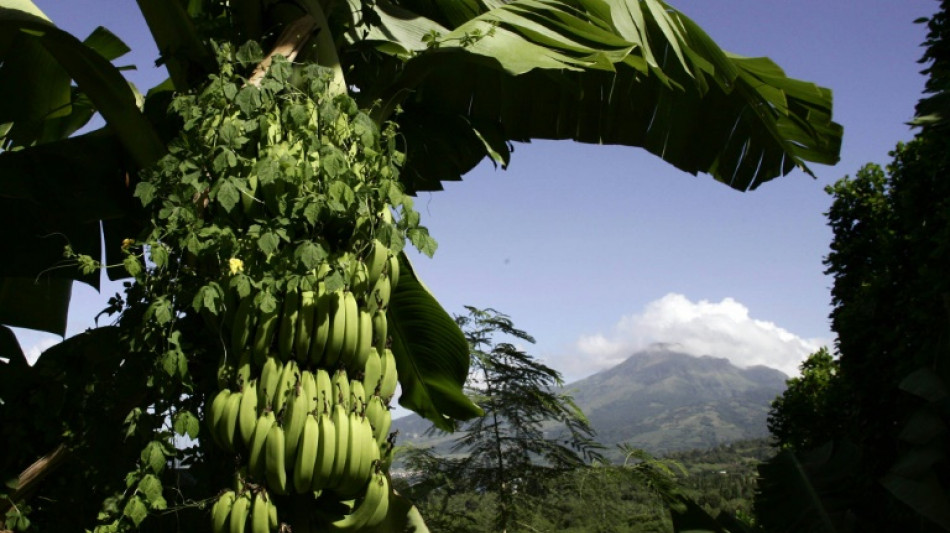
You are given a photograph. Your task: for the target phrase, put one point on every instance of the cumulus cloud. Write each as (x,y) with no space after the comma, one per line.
(721,329)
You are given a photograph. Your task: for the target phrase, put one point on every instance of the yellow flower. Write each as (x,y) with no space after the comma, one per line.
(236,265)
(126,243)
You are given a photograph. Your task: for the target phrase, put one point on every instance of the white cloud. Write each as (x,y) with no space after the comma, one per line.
(722,329)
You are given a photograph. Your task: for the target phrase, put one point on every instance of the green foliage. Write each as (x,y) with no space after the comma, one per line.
(506,452)
(423,335)
(324,171)
(885,438)
(805,415)
(645,494)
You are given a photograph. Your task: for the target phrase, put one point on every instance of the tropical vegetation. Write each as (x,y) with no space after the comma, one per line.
(270,178)
(863,432)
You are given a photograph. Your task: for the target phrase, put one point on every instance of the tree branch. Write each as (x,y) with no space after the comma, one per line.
(33,475)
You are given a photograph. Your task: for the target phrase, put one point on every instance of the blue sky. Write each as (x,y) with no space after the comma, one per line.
(599,250)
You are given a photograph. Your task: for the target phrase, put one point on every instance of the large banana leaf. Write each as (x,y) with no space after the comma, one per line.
(67,58)
(808,491)
(55,191)
(431,352)
(913,478)
(636,73)
(53,195)
(187,58)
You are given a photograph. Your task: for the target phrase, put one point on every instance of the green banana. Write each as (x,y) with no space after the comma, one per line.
(294,420)
(274,464)
(247,415)
(321,325)
(305,324)
(244,370)
(376,260)
(264,336)
(243,325)
(354,457)
(357,397)
(380,331)
(341,424)
(326,452)
(256,459)
(216,411)
(227,425)
(351,331)
(376,492)
(382,508)
(269,382)
(359,277)
(341,389)
(286,385)
(306,455)
(379,418)
(379,296)
(369,454)
(389,379)
(239,512)
(272,514)
(394,270)
(324,395)
(221,511)
(260,515)
(337,330)
(308,387)
(372,371)
(364,339)
(288,325)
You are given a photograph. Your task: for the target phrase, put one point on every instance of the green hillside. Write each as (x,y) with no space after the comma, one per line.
(660,400)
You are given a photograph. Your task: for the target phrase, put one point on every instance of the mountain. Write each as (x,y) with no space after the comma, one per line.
(662,400)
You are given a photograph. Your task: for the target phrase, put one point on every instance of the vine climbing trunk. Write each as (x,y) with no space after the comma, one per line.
(302,192)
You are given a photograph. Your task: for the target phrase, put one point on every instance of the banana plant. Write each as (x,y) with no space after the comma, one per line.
(462,79)
(636,73)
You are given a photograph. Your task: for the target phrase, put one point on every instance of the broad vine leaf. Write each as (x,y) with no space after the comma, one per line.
(432,355)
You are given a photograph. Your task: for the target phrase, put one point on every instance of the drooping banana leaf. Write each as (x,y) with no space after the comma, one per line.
(913,478)
(432,355)
(187,58)
(53,195)
(808,491)
(635,73)
(54,192)
(67,58)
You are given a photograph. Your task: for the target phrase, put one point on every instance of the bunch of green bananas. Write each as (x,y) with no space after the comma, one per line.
(323,327)
(231,511)
(309,409)
(285,196)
